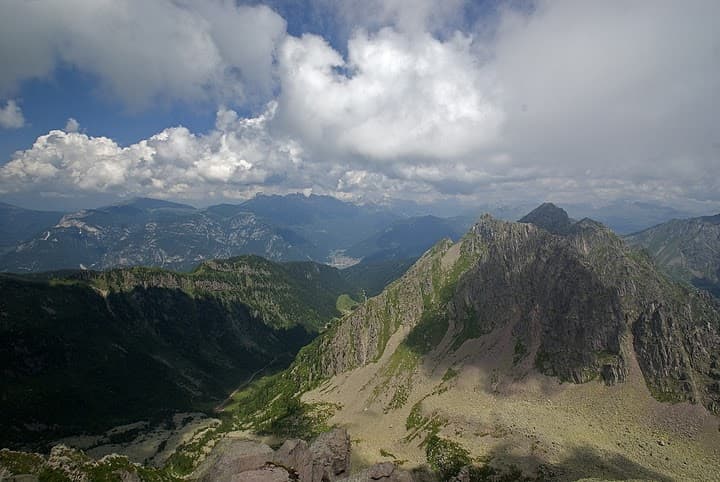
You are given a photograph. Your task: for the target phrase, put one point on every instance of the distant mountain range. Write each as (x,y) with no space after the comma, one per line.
(688,249)
(151,232)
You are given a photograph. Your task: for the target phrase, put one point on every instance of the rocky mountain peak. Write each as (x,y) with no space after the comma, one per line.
(549,217)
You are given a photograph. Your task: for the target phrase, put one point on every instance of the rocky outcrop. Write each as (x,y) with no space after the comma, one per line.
(294,454)
(330,455)
(549,217)
(269,473)
(327,459)
(233,456)
(363,334)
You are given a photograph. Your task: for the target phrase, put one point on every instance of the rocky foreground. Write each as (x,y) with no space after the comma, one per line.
(327,459)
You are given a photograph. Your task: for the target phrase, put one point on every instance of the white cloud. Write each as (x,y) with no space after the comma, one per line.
(143,51)
(72,125)
(174,162)
(576,101)
(11,116)
(395,96)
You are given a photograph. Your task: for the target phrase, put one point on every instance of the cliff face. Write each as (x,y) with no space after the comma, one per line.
(576,304)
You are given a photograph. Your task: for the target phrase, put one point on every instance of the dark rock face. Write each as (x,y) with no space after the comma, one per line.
(549,217)
(330,455)
(536,283)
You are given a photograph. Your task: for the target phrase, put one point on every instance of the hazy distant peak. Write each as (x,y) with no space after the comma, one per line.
(151,203)
(549,217)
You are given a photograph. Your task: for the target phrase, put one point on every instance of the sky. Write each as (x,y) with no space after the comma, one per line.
(484,101)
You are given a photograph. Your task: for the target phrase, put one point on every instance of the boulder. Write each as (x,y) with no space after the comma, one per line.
(331,456)
(295,456)
(232,456)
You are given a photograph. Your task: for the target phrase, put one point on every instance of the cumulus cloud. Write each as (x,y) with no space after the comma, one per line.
(395,96)
(11,116)
(143,51)
(175,162)
(72,125)
(572,101)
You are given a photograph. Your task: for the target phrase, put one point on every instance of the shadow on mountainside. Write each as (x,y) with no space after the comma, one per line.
(582,462)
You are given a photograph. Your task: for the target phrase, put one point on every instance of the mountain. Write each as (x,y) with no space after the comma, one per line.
(688,249)
(18,224)
(564,356)
(549,217)
(407,238)
(85,351)
(151,232)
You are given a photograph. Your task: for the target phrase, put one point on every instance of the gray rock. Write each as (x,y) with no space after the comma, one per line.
(269,473)
(331,455)
(232,456)
(383,470)
(295,455)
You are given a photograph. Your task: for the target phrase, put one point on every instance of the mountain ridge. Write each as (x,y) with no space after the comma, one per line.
(152,232)
(688,249)
(508,304)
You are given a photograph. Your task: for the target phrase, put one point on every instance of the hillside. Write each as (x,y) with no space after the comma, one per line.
(566,355)
(688,249)
(85,351)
